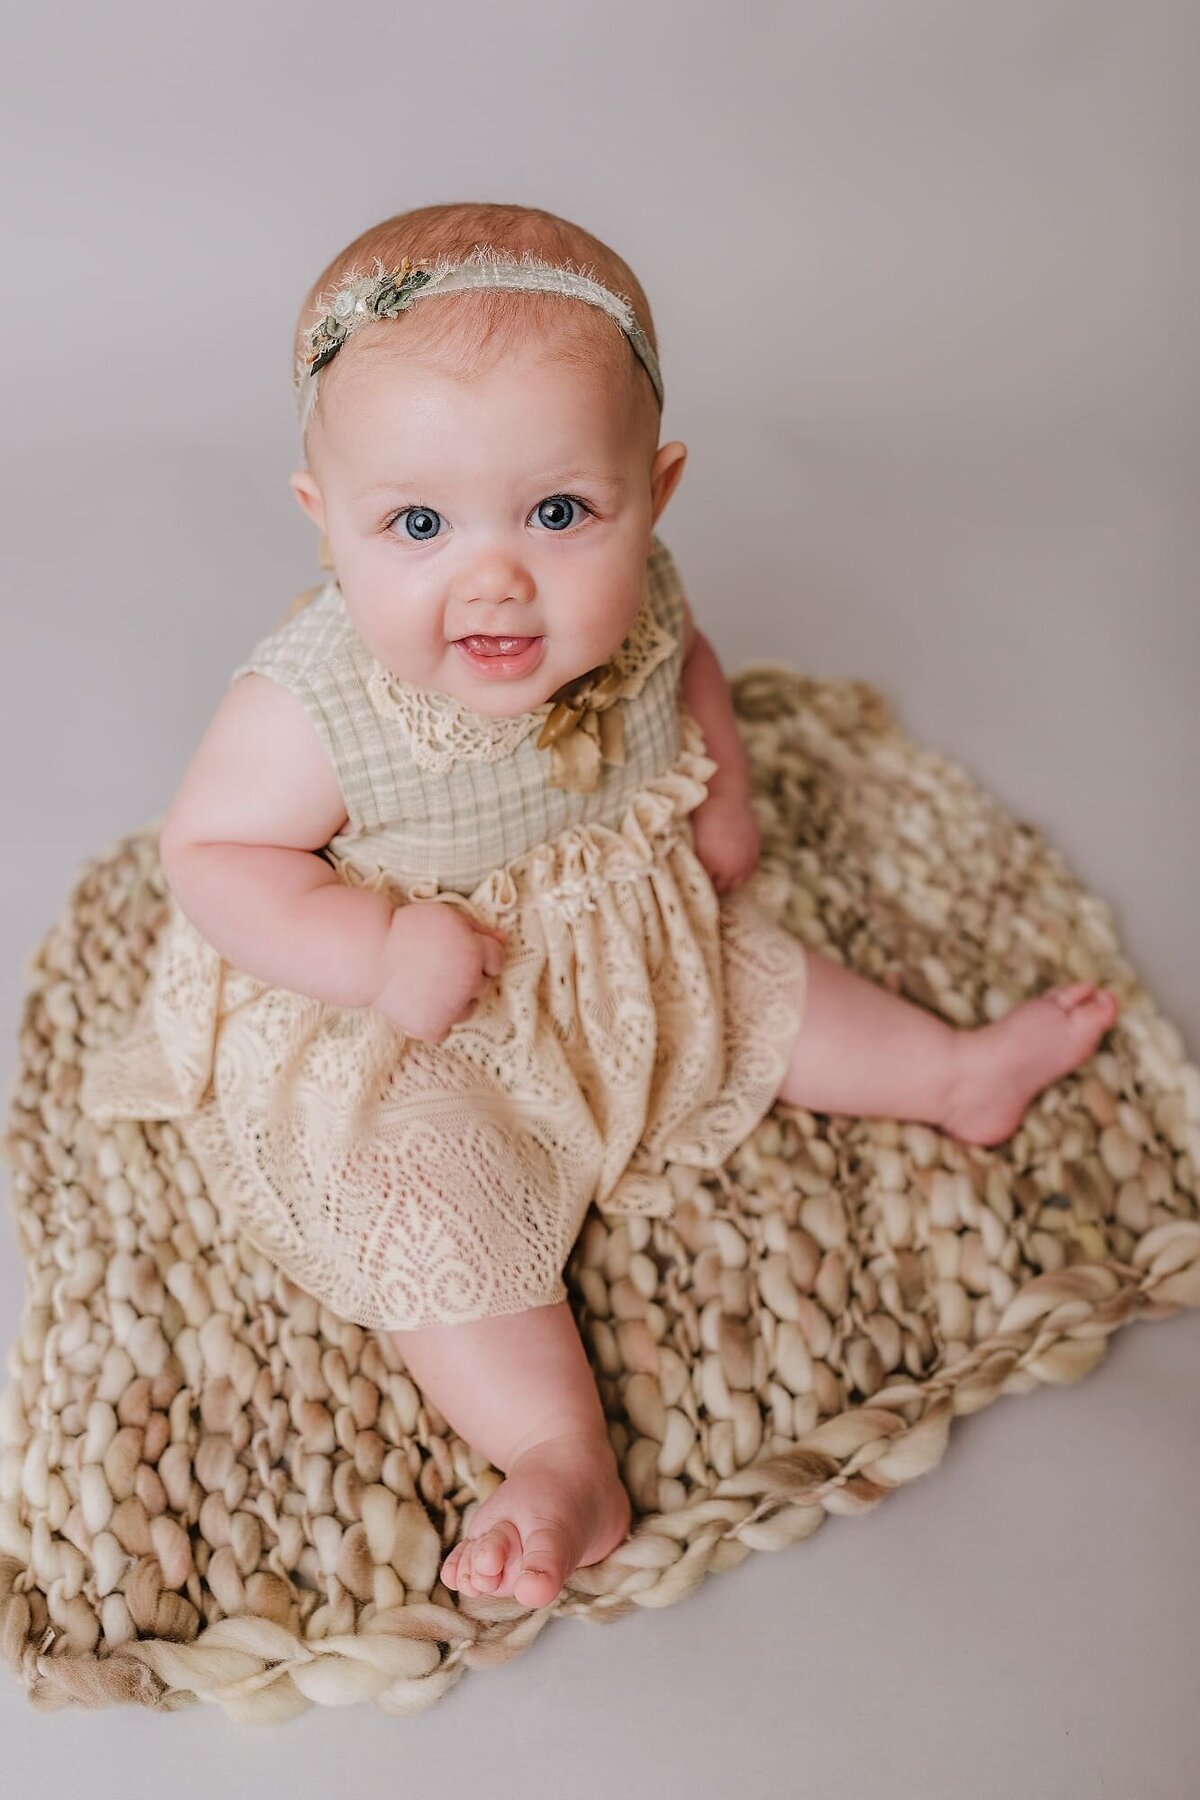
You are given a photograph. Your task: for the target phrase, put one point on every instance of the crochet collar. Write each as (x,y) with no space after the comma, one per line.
(580,726)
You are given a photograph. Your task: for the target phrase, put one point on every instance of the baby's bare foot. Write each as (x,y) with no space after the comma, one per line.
(561,1507)
(1001,1067)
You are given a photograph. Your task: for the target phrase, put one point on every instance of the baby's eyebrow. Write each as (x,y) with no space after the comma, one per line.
(615,483)
(584,478)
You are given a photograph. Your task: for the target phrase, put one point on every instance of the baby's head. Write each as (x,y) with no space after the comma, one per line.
(487,462)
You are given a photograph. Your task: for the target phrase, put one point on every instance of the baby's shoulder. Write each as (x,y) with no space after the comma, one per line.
(315,653)
(261,774)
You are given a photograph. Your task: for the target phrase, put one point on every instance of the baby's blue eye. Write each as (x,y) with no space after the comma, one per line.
(551,511)
(423,518)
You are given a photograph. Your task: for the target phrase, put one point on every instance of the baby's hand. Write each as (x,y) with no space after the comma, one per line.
(727,840)
(437,962)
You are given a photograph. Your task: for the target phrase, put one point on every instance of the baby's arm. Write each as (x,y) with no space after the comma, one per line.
(704,692)
(238,844)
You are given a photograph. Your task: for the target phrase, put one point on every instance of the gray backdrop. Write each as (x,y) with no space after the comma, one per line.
(925,279)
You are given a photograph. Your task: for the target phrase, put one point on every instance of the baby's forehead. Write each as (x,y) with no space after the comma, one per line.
(373,363)
(582,353)
(541,408)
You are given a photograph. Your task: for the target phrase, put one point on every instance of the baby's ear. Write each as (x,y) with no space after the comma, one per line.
(308,496)
(664,475)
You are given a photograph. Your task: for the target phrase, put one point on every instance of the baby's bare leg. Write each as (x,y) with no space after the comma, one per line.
(865,1051)
(520,1390)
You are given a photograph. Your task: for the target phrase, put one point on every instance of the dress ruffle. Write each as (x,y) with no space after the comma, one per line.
(640,1019)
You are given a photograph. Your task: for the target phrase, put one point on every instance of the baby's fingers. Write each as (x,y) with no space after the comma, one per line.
(493,957)
(495,945)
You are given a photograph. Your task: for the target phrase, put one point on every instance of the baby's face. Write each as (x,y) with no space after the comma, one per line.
(515,504)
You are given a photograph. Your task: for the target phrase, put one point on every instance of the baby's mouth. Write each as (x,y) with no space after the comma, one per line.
(496,646)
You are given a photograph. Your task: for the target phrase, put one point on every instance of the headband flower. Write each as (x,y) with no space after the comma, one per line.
(379,297)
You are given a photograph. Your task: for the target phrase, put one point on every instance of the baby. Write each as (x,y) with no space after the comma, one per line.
(466,979)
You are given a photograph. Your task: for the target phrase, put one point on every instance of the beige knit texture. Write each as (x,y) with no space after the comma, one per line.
(212,1488)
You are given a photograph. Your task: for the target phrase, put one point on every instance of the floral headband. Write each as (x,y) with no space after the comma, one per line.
(362,299)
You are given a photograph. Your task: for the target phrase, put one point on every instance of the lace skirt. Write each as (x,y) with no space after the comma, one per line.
(640,1019)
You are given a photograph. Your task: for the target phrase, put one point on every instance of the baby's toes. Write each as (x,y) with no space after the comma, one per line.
(547,1561)
(1084,996)
(491,1553)
(1088,1012)
(449,1570)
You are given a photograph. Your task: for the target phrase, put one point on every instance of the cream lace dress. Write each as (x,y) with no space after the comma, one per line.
(640,1017)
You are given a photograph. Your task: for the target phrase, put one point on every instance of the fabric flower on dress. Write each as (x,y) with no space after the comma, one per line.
(582,731)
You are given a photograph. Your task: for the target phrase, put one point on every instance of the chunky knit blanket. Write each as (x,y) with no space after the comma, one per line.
(211,1488)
